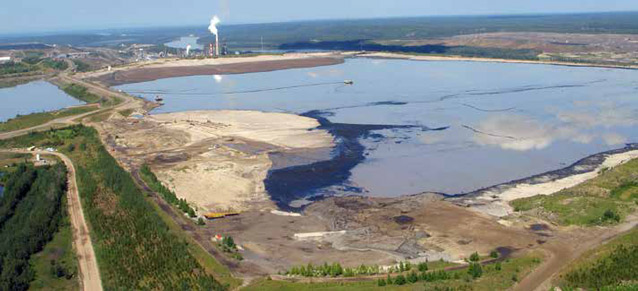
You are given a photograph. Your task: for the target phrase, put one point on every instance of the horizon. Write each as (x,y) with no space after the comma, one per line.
(203,26)
(77,15)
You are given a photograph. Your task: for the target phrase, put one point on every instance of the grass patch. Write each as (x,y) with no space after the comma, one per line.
(55,266)
(35,119)
(604,200)
(82,93)
(611,266)
(493,278)
(81,66)
(100,116)
(126,112)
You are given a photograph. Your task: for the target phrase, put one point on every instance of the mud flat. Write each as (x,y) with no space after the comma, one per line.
(495,200)
(239,65)
(216,160)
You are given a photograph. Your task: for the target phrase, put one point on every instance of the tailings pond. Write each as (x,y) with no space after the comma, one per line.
(406,127)
(38,96)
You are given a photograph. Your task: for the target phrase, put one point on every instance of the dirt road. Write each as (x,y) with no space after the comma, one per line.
(88,269)
(564,251)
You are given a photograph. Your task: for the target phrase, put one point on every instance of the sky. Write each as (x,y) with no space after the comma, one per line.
(28,16)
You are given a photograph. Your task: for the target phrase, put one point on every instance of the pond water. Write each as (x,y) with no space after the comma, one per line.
(38,96)
(184,41)
(495,122)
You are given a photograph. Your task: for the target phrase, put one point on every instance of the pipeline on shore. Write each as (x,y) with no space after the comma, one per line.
(190,93)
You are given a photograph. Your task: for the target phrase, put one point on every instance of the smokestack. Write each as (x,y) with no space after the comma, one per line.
(213,29)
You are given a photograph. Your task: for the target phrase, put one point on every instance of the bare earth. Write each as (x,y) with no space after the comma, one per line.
(225,152)
(496,202)
(178,68)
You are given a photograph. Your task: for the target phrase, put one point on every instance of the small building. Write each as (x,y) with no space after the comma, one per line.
(5,59)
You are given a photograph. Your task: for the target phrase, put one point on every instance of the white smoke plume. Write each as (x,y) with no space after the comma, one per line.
(213,25)
(188,49)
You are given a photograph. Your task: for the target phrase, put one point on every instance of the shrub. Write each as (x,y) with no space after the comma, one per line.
(400,280)
(422,267)
(475,270)
(381,282)
(474,257)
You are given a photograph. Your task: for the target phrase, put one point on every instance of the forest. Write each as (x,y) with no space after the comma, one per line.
(30,213)
(134,247)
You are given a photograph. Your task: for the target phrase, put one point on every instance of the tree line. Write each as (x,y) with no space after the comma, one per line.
(30,213)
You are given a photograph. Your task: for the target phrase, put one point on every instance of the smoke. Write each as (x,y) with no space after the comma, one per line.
(213,25)
(188,49)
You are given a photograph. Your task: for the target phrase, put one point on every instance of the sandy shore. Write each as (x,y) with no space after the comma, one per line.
(496,202)
(216,160)
(490,60)
(168,68)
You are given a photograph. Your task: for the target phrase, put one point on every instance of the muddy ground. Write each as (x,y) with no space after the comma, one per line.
(144,74)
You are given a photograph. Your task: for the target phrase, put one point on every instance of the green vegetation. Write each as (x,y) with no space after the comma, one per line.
(30,213)
(10,68)
(609,267)
(497,276)
(169,196)
(55,267)
(82,93)
(81,66)
(228,246)
(212,266)
(126,112)
(604,200)
(31,64)
(276,34)
(56,65)
(135,248)
(35,119)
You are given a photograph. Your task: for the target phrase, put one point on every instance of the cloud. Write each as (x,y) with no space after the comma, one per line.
(514,132)
(607,115)
(613,139)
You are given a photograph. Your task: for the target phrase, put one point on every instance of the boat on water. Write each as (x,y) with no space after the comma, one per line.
(158,98)
(348,82)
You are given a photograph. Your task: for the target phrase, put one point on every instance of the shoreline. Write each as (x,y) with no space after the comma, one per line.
(494,200)
(138,73)
(347,152)
(398,56)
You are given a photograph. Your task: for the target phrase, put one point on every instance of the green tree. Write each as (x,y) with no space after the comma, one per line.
(423,266)
(475,270)
(412,277)
(400,280)
(381,282)
(475,257)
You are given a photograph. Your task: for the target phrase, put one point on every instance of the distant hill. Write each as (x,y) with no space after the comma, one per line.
(249,36)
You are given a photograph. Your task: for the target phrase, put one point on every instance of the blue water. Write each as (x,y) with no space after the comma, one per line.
(506,121)
(38,96)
